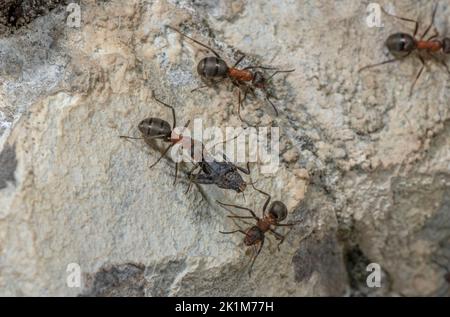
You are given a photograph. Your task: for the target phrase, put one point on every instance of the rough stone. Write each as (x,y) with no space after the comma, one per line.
(365,165)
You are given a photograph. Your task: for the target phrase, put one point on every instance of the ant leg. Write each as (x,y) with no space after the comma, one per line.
(278,237)
(254,258)
(280,71)
(252,90)
(289,224)
(168,106)
(212,83)
(379,64)
(159,136)
(435,35)
(129,137)
(191,177)
(231,232)
(239,207)
(225,142)
(195,41)
(267,200)
(162,155)
(260,67)
(416,29)
(240,104)
(239,60)
(433,16)
(418,74)
(240,217)
(445,65)
(176,173)
(199,87)
(441,61)
(243,170)
(268,95)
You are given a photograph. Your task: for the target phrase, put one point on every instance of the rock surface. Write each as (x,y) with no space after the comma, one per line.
(366,166)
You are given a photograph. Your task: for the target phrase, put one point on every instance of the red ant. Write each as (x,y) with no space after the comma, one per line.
(215,68)
(402,45)
(256,234)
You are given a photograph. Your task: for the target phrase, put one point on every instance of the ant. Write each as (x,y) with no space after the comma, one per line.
(256,234)
(402,45)
(223,174)
(159,129)
(248,79)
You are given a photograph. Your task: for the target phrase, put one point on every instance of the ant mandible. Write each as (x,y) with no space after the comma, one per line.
(402,45)
(248,79)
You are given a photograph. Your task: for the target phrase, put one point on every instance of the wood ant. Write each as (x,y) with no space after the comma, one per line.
(223,174)
(159,129)
(248,79)
(402,45)
(255,235)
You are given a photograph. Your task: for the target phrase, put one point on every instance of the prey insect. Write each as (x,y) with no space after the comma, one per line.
(223,174)
(159,129)
(255,235)
(214,69)
(402,45)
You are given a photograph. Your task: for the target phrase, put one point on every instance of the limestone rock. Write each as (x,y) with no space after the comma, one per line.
(363,164)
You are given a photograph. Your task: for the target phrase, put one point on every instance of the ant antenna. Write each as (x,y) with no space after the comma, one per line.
(195,41)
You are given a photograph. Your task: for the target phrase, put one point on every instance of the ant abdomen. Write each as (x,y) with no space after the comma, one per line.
(212,67)
(152,127)
(278,210)
(400,44)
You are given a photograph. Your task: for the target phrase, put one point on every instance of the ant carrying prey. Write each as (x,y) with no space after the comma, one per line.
(255,235)
(248,79)
(402,45)
(224,174)
(159,129)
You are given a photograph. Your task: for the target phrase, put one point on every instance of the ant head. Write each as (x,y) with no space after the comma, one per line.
(446,45)
(259,80)
(278,210)
(400,44)
(154,127)
(253,236)
(212,67)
